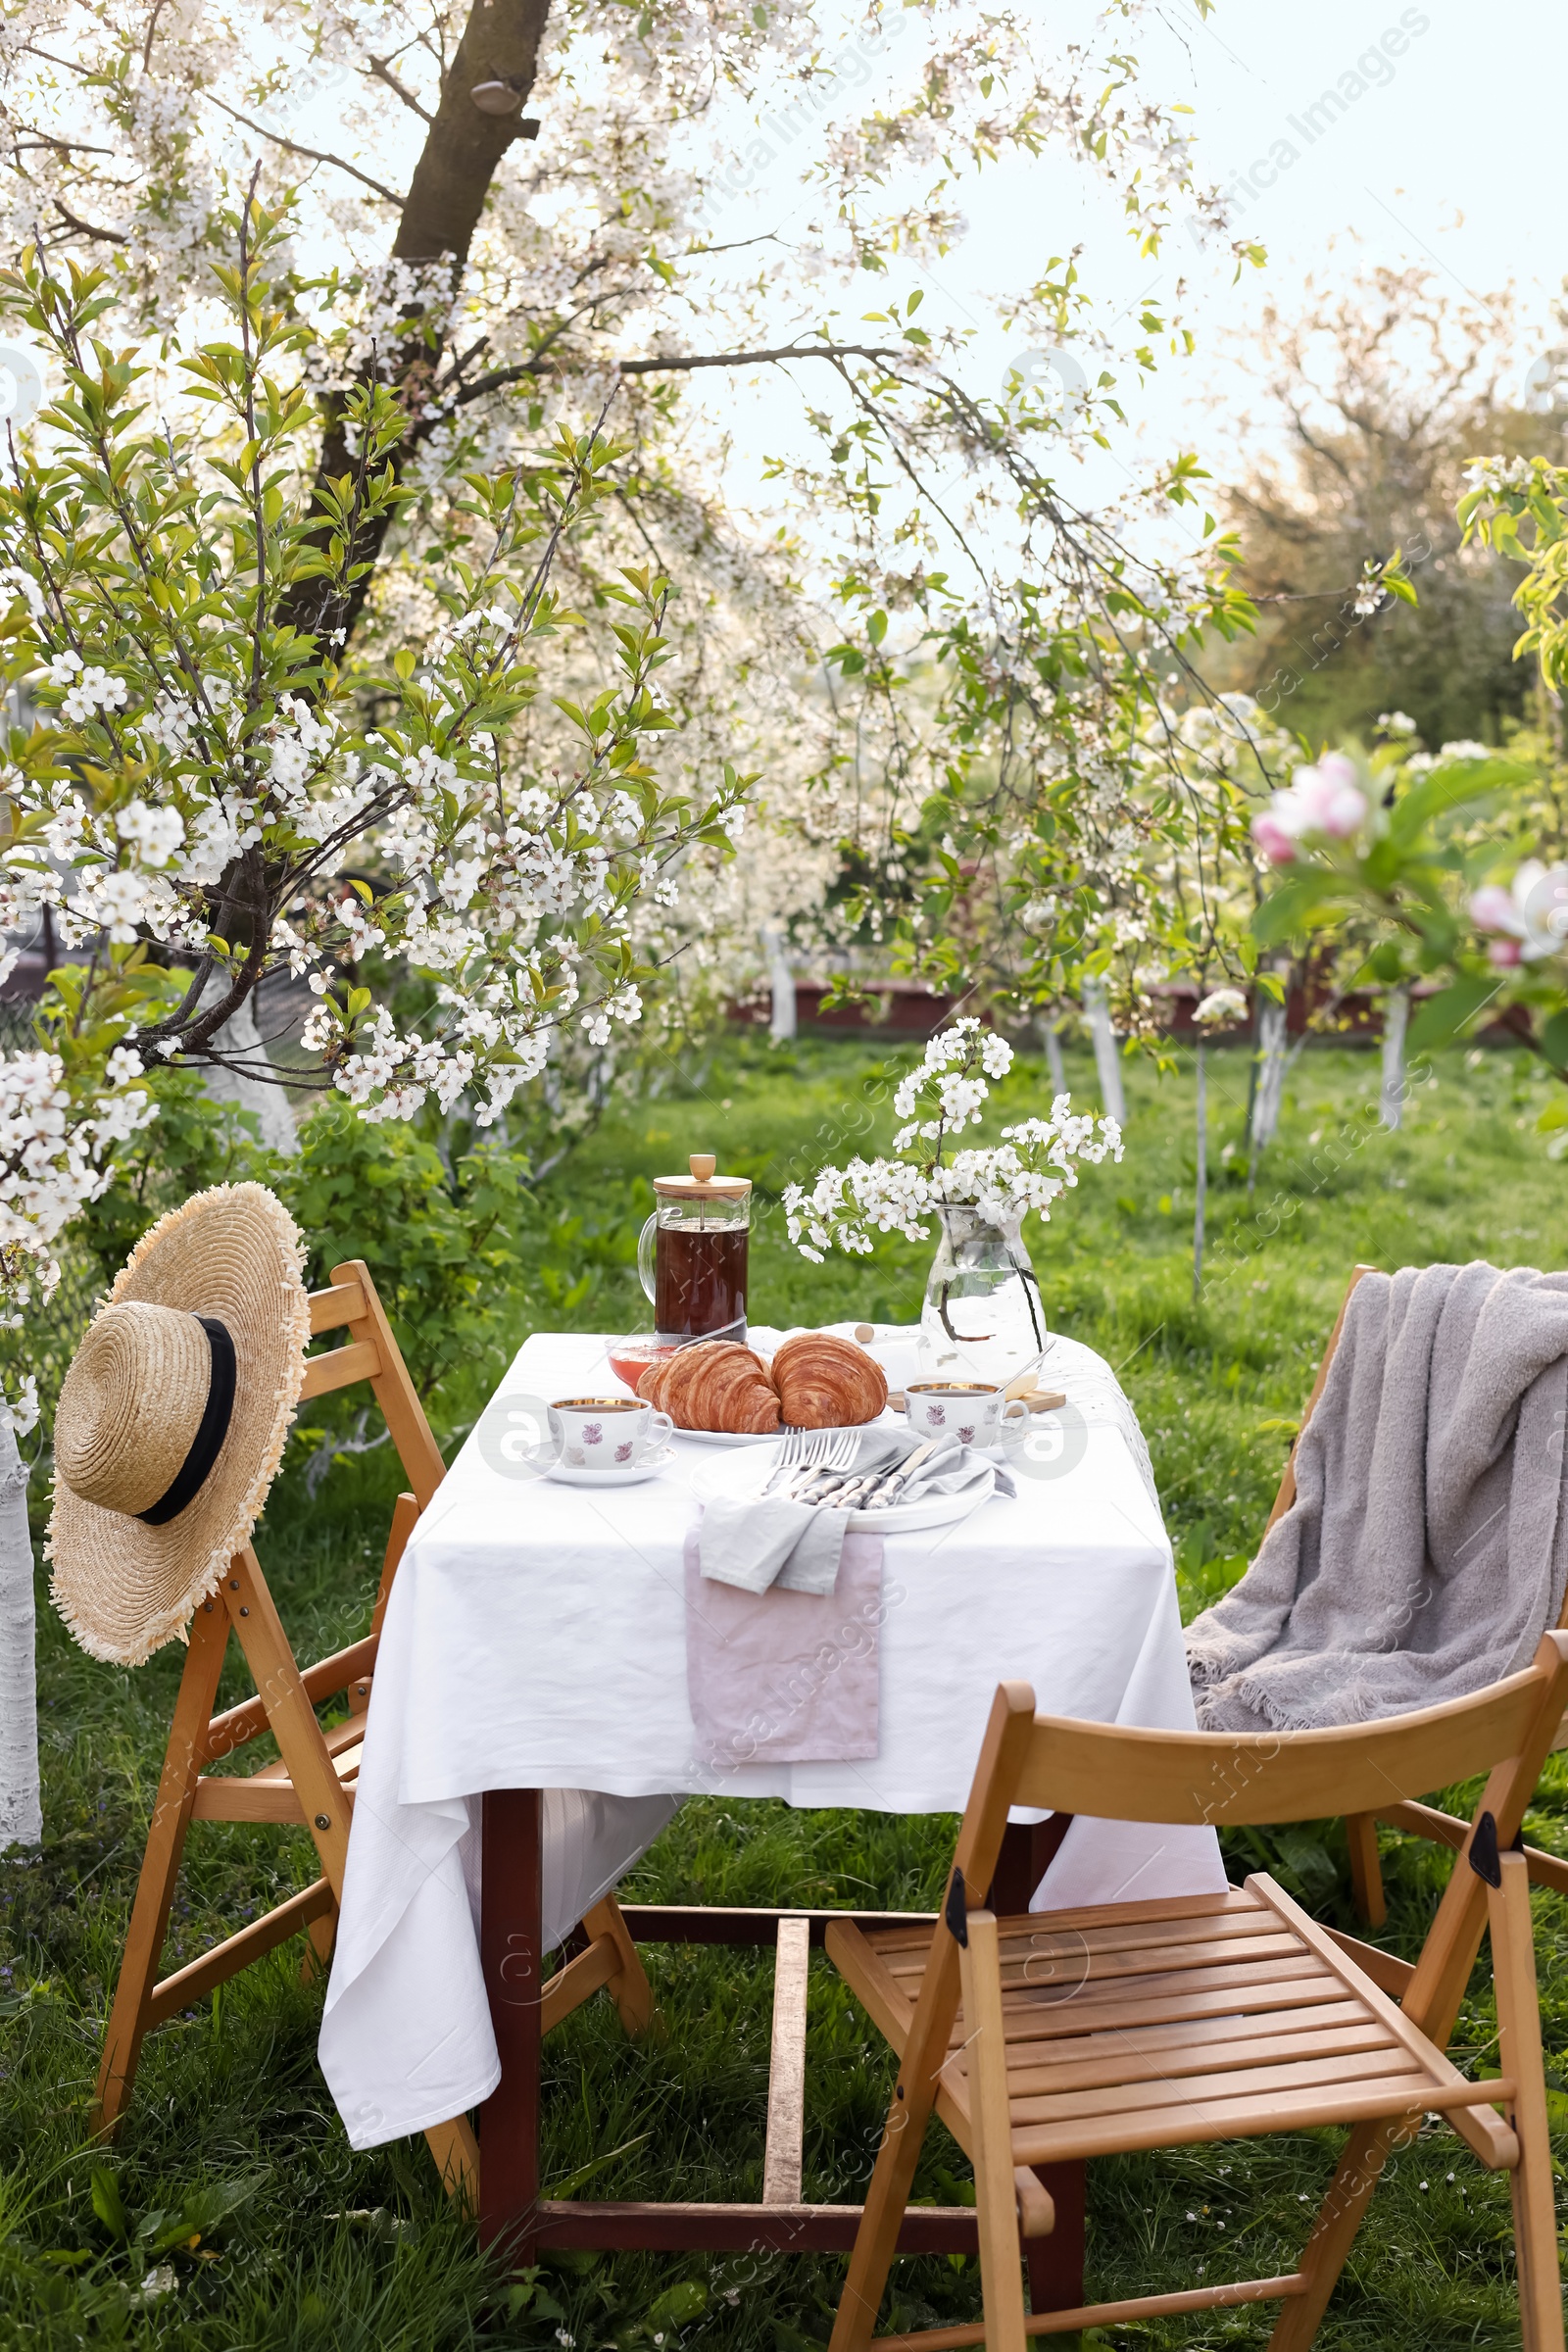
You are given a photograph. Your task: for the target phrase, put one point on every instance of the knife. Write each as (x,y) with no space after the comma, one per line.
(892,1486)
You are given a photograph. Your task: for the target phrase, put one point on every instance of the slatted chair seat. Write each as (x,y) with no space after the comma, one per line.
(1131,2026)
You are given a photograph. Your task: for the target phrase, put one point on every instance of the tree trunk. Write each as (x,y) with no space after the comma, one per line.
(21,1816)
(240,1036)
(442,210)
(1200,1186)
(1395,1016)
(1107,1061)
(1269,1093)
(781,981)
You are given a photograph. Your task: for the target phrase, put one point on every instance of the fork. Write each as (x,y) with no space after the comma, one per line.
(797,1449)
(834,1451)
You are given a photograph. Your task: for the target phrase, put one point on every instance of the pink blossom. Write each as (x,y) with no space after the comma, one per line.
(1492,909)
(1272,838)
(1330,799)
(1531,913)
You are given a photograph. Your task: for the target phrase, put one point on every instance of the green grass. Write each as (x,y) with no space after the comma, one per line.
(232,2139)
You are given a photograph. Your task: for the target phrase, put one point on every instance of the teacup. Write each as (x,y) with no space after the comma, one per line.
(606,1433)
(971,1410)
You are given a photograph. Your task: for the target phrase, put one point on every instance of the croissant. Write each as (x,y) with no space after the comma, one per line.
(827,1383)
(717,1384)
(651,1383)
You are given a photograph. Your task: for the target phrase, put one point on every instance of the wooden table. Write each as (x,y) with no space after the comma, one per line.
(520,2225)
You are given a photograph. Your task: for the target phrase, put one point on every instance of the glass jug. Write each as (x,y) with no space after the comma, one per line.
(692,1253)
(983,1317)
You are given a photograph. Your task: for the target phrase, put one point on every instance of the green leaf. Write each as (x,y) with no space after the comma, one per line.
(1555,1040)
(676,2305)
(1443,1016)
(596,2164)
(108,2205)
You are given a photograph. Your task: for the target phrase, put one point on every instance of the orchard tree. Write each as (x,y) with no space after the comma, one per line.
(383,586)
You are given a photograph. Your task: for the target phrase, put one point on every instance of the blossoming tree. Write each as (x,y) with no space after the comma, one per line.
(947,661)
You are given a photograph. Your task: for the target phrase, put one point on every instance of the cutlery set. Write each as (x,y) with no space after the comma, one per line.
(816,1470)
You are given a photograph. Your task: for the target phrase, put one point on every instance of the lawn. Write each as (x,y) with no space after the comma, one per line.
(297,2241)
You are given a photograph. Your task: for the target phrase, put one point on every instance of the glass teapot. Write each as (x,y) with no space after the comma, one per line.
(693,1250)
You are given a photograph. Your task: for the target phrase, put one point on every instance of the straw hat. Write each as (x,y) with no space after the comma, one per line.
(173,1417)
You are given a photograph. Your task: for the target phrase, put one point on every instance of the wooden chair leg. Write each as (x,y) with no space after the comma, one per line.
(323,1799)
(1534,2221)
(1356,2176)
(160,1867)
(319,1937)
(628,1987)
(455,2150)
(405,1511)
(1366,1868)
(986,2052)
(887,2194)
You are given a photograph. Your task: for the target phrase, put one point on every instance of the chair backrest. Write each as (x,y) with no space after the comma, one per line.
(372,1353)
(1122,1774)
(1287,1487)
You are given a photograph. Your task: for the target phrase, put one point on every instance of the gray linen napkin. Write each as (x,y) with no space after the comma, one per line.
(798,1545)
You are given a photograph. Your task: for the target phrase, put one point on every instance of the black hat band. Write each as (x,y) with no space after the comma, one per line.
(213,1428)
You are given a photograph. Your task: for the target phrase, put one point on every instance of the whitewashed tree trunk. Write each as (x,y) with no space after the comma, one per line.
(239,1036)
(21,1814)
(1107,1061)
(1267,1100)
(1200,1185)
(781,980)
(1395,1019)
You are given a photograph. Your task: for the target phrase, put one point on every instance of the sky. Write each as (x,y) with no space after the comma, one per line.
(1429,149)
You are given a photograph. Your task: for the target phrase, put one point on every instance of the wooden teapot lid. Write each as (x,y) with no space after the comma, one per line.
(702,1183)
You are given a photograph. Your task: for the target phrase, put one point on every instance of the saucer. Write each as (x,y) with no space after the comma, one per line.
(631,1474)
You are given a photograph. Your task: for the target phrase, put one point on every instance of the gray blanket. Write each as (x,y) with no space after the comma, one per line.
(1426,1548)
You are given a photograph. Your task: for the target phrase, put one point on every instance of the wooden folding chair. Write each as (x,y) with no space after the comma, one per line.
(1045,2040)
(312,1785)
(1420,1820)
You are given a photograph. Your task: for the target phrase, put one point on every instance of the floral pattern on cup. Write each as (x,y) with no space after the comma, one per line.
(606,1434)
(977,1408)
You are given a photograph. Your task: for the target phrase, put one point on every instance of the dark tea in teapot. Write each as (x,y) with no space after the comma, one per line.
(693,1253)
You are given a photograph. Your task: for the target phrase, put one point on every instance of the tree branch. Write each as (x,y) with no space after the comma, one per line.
(316,154)
(86,228)
(680,363)
(381,71)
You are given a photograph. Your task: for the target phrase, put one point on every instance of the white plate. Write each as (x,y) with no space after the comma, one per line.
(566,1474)
(768,1437)
(740,1480)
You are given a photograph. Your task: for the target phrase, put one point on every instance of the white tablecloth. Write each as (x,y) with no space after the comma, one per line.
(536,1637)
